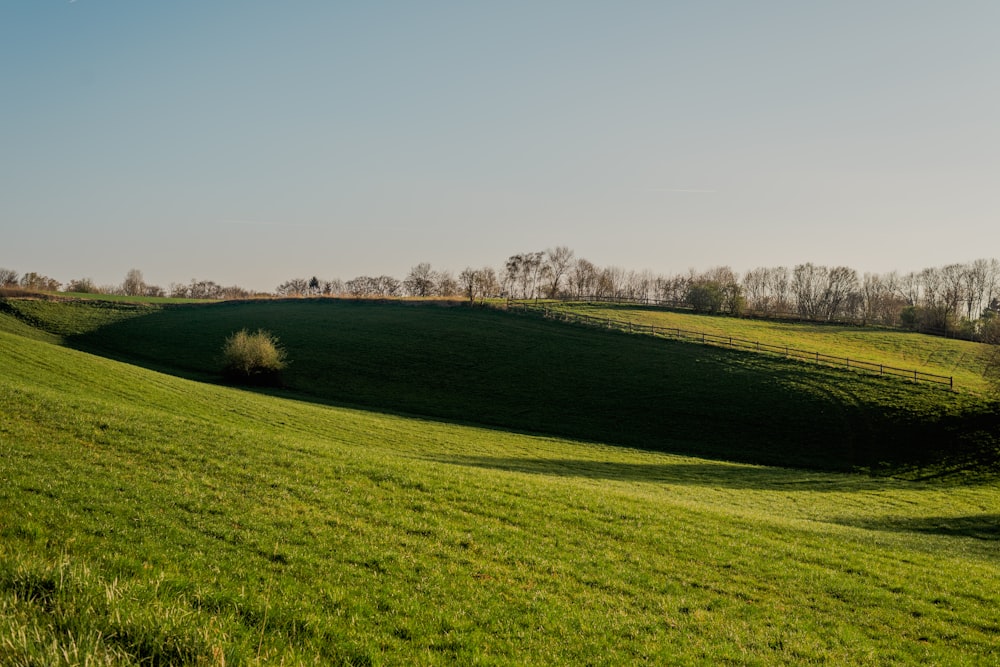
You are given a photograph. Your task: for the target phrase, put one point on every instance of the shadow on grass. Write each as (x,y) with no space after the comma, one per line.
(528,375)
(719,475)
(979,526)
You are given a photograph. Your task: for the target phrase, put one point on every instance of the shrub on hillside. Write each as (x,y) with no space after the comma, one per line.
(253,358)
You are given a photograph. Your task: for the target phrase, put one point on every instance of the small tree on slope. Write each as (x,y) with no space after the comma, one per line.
(253,358)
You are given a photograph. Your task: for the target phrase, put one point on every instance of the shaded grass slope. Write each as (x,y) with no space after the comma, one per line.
(963,360)
(492,368)
(148,519)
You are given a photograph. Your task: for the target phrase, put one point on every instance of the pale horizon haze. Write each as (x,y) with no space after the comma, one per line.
(253,142)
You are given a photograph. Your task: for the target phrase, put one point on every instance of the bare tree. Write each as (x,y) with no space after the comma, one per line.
(133,285)
(933,311)
(333,287)
(779,284)
(38,282)
(178,290)
(840,292)
(557,262)
(387,286)
(446,285)
(377,286)
(204,289)
(360,286)
(992,286)
(8,277)
(467,281)
(879,301)
(420,281)
(640,285)
(909,287)
(768,290)
(755,290)
(293,287)
(673,290)
(522,275)
(233,292)
(807,285)
(610,283)
(582,278)
(931,288)
(953,288)
(478,283)
(82,286)
(487,284)
(980,283)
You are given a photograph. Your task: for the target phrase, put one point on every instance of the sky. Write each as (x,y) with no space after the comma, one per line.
(256,141)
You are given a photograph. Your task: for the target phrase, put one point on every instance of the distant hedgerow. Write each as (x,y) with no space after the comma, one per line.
(253,358)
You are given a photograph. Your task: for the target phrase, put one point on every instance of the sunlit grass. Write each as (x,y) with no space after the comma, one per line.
(150,518)
(963,360)
(72,318)
(121,298)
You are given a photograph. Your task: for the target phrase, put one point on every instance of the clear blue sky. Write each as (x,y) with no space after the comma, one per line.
(255,141)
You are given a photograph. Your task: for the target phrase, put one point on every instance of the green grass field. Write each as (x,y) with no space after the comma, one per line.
(155,518)
(485,367)
(963,360)
(121,298)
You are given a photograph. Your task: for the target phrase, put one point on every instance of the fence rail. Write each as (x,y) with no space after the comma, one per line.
(735,343)
(772,314)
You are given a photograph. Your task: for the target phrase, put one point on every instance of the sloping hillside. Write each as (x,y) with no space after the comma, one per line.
(491,368)
(149,519)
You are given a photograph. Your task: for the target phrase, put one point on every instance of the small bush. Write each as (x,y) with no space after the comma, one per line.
(253,358)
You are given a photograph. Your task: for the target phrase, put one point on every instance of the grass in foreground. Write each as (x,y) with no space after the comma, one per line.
(151,519)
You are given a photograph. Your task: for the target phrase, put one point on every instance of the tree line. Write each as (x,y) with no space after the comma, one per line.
(133,285)
(956,299)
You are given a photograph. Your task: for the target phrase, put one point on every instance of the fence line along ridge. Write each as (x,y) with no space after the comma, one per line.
(736,343)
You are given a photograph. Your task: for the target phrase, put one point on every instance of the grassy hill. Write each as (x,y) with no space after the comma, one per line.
(150,519)
(491,368)
(960,359)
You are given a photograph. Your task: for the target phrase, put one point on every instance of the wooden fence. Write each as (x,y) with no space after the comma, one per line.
(734,343)
(769,314)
